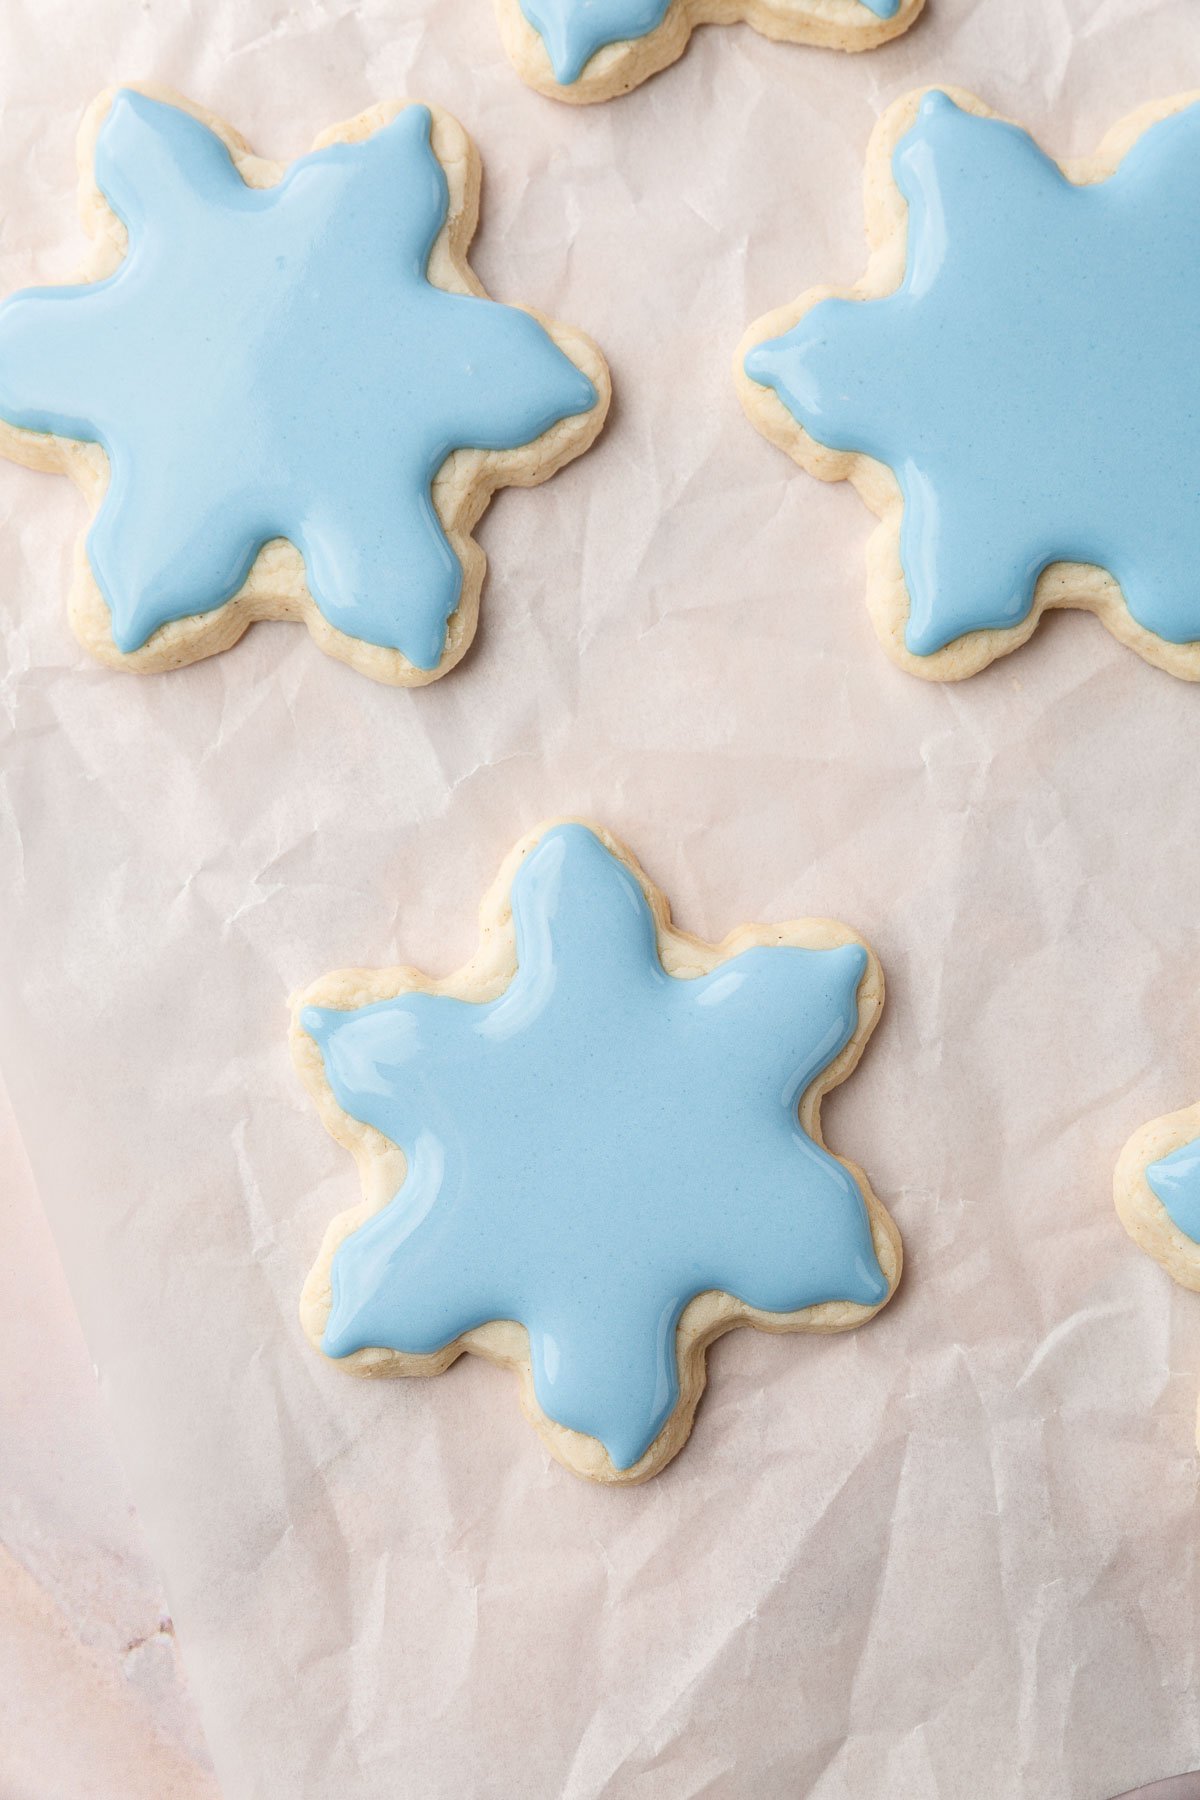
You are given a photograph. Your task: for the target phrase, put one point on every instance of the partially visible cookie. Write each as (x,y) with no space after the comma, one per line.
(1156,1188)
(1157,1192)
(584,50)
(593,1150)
(1013,386)
(283,391)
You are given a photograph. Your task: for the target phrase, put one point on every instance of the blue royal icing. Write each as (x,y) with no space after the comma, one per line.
(274,363)
(573,30)
(597,1146)
(1034,382)
(1175,1180)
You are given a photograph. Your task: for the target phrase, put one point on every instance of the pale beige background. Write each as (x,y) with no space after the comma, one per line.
(93,1703)
(953,1553)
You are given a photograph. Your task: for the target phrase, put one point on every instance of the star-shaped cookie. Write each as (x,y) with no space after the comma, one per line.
(1157,1192)
(593,1150)
(284,392)
(1013,386)
(584,50)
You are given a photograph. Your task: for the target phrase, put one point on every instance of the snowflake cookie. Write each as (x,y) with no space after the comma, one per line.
(593,1150)
(283,391)
(583,50)
(1157,1192)
(1013,386)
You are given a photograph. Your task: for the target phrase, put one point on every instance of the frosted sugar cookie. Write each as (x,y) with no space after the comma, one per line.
(583,50)
(283,391)
(593,1150)
(1157,1192)
(1013,386)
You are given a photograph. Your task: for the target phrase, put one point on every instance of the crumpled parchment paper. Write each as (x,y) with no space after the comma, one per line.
(953,1553)
(92,1694)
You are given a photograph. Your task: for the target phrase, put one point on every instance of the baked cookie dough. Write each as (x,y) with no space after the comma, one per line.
(584,50)
(1013,386)
(1156,1188)
(282,390)
(593,1150)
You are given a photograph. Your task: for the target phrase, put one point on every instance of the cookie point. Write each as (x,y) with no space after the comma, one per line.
(428,654)
(316,1021)
(126,638)
(757,361)
(874,1288)
(415,118)
(333,1344)
(1174,1180)
(573,830)
(936,104)
(922,640)
(587,392)
(142,106)
(855,957)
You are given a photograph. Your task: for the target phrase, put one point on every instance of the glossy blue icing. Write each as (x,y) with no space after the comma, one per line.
(273,363)
(1035,380)
(573,30)
(595,1147)
(1176,1181)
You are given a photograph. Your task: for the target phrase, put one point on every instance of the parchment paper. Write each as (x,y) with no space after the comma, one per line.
(951,1554)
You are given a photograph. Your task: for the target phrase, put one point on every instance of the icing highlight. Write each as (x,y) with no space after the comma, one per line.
(1034,382)
(273,362)
(1175,1180)
(574,30)
(596,1146)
